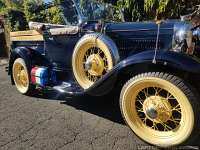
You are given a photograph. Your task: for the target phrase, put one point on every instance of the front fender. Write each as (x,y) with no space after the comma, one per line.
(170,59)
(175,60)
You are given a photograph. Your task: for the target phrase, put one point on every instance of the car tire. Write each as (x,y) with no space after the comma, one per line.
(21,77)
(161,109)
(94,55)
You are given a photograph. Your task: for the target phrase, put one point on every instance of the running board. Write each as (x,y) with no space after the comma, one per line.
(69,88)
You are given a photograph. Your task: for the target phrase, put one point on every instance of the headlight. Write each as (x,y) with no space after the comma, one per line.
(182,31)
(196,33)
(182,35)
(189,36)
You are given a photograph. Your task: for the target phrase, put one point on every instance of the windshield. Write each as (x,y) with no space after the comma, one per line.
(94,10)
(73,11)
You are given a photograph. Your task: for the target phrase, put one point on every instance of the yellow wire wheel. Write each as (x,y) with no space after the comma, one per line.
(20,76)
(158,110)
(92,59)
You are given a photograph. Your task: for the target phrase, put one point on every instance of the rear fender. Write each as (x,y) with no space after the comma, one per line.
(30,57)
(23,53)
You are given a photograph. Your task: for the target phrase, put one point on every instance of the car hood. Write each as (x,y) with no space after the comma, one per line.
(139,36)
(139,26)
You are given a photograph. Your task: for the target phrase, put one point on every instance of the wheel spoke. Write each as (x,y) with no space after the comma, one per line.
(86,55)
(169,96)
(104,59)
(176,121)
(166,127)
(144,120)
(99,51)
(145,91)
(138,96)
(139,109)
(90,52)
(177,108)
(140,101)
(95,78)
(154,126)
(157,90)
(90,77)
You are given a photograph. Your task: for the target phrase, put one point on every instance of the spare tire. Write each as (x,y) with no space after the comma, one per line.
(94,55)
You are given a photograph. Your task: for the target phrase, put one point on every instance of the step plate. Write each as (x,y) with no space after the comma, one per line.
(69,88)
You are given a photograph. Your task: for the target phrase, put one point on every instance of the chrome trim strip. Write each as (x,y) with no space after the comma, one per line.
(133,30)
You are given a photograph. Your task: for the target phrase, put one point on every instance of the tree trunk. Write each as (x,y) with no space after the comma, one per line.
(4,39)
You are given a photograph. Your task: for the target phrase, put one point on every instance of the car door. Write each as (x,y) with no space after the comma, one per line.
(61,40)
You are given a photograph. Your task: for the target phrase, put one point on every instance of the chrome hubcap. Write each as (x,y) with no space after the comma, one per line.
(94,65)
(152,113)
(157,108)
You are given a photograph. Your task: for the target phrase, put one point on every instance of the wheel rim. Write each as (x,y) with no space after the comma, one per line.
(20,77)
(158,111)
(91,62)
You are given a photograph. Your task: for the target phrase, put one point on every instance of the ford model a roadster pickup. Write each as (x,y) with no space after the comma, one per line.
(158,64)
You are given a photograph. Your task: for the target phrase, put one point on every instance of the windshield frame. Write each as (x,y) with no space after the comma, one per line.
(81,17)
(94,10)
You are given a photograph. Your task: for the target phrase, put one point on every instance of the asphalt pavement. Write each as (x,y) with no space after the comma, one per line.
(47,121)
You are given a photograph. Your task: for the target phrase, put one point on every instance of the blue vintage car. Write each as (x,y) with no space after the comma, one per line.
(156,65)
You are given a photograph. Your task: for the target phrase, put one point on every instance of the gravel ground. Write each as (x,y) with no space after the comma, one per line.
(42,122)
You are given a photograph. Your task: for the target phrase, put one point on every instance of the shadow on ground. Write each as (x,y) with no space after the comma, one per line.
(103,106)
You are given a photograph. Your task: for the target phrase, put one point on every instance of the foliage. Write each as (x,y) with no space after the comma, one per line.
(33,10)
(136,10)
(164,8)
(41,12)
(53,15)
(17,20)
(19,12)
(2,4)
(130,10)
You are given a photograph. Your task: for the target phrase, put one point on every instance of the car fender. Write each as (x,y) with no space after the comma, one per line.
(22,52)
(166,58)
(179,61)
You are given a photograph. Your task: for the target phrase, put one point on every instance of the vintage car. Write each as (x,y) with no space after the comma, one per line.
(156,64)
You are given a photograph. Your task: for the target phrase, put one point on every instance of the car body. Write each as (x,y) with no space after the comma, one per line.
(83,56)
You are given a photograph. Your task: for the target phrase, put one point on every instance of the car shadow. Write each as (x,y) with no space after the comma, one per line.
(103,106)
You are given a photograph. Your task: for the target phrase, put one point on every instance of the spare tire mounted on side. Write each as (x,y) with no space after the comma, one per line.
(94,55)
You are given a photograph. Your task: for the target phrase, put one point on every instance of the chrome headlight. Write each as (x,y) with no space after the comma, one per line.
(182,35)
(189,37)
(196,33)
(182,32)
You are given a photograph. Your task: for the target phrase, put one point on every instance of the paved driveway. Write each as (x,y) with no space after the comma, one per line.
(42,122)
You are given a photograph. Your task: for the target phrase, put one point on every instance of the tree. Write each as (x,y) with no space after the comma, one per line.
(53,15)
(32,10)
(17,20)
(2,7)
(169,8)
(163,8)
(133,10)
